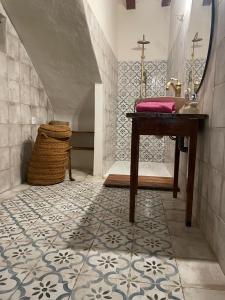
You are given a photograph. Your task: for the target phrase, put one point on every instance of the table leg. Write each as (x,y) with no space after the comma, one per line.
(176,169)
(137,165)
(70,167)
(191,176)
(133,169)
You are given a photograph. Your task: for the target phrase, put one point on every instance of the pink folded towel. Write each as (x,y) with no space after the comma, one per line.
(151,106)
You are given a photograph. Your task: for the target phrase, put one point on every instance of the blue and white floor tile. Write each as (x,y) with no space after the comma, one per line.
(73,241)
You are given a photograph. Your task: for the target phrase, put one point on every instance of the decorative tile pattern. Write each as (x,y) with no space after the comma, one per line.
(151,148)
(78,244)
(199,68)
(144,291)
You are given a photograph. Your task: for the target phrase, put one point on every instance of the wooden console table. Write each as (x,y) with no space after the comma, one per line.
(179,125)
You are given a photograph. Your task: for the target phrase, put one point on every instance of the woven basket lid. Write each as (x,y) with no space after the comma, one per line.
(55,128)
(59,123)
(55,131)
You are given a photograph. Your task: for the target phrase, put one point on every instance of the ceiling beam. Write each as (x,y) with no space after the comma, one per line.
(207,2)
(166,2)
(131,4)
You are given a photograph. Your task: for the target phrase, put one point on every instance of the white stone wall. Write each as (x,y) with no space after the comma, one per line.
(209,196)
(22,97)
(106,12)
(149,18)
(108,68)
(211,158)
(178,41)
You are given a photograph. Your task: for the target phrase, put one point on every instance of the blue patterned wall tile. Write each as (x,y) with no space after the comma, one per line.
(151,148)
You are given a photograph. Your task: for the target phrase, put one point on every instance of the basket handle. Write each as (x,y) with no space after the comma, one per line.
(44,134)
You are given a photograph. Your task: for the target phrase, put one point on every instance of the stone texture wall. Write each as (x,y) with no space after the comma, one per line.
(108,68)
(22,97)
(179,24)
(209,196)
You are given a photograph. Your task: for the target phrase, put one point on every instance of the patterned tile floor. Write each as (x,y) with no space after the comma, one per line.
(73,241)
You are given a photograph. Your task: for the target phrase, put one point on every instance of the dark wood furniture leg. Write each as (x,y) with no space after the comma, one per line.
(137,164)
(146,123)
(70,167)
(191,176)
(176,169)
(133,169)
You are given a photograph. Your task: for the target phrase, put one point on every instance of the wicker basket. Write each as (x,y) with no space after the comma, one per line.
(55,131)
(50,155)
(43,142)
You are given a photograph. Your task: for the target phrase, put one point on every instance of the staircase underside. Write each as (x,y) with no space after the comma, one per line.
(56,36)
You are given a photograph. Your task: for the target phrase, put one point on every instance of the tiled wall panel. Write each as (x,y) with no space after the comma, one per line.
(22,97)
(210,174)
(151,147)
(199,67)
(107,63)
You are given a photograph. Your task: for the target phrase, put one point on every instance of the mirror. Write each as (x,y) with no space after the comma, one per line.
(198,43)
(191,31)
